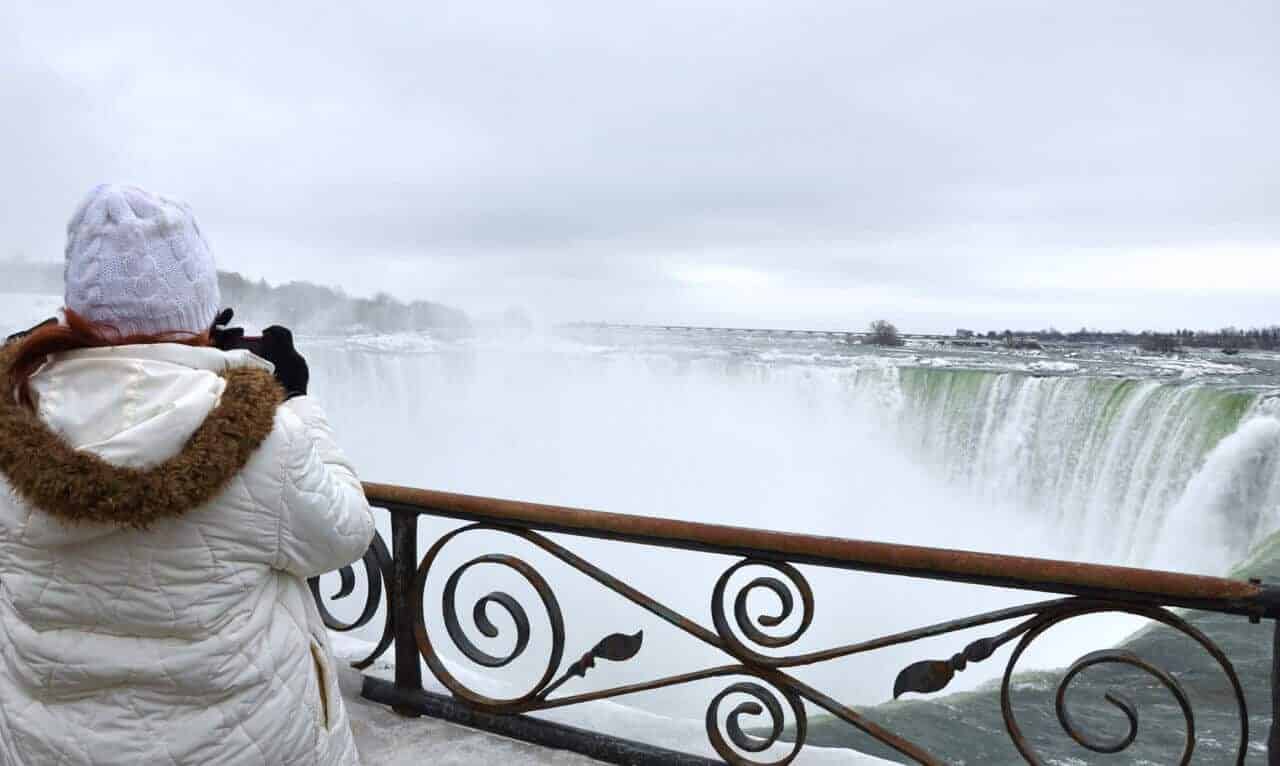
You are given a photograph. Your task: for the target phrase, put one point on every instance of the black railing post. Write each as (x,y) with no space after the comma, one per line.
(1273,740)
(404,566)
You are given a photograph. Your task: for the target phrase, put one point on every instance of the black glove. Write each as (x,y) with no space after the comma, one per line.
(25,333)
(223,337)
(291,368)
(275,345)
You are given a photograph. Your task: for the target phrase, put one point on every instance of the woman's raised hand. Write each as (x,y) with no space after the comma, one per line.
(291,368)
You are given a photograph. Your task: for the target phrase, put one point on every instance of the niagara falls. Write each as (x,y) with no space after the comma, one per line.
(672,383)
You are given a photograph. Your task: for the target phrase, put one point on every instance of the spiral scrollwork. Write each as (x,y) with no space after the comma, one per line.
(761,700)
(751,627)
(377,567)
(1121,702)
(479,613)
(1118,700)
(486,626)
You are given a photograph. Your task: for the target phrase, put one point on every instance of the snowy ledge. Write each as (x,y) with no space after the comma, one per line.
(390,739)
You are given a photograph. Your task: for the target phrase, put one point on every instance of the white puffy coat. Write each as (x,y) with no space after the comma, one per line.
(195,641)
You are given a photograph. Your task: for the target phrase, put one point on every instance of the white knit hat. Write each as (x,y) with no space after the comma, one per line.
(136,261)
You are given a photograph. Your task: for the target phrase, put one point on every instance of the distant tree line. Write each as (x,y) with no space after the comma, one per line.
(315,308)
(1229,338)
(302,306)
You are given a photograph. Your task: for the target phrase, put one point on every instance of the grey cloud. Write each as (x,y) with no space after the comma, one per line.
(909,145)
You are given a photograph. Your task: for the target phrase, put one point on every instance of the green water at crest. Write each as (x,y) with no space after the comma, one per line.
(1117,463)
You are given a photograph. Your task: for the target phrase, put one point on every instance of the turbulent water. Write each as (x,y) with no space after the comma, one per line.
(1097,454)
(1107,461)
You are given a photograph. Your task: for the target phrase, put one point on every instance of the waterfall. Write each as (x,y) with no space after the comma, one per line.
(1109,462)
(1119,468)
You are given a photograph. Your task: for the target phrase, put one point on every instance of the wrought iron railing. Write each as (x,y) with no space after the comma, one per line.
(750,648)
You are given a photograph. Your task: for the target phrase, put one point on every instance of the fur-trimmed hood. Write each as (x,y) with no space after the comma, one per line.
(129,435)
(202,621)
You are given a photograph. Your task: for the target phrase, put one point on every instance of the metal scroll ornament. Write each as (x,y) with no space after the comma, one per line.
(761,700)
(934,675)
(617,647)
(377,568)
(751,627)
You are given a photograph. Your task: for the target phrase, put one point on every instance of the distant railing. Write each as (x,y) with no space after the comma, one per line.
(769,689)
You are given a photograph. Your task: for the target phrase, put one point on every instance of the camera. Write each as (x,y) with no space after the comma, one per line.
(231,340)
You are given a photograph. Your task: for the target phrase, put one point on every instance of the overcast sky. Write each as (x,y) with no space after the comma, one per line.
(787,163)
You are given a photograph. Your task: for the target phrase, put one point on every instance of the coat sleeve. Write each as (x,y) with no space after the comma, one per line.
(325,521)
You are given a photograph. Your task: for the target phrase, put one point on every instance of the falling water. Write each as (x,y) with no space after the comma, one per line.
(1106,461)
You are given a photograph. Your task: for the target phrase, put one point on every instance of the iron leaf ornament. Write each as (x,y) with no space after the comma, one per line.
(617,647)
(929,676)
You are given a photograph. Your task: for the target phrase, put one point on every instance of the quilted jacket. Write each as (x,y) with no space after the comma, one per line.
(194,640)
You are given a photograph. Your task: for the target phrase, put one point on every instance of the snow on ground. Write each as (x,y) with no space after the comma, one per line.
(1053,367)
(387,738)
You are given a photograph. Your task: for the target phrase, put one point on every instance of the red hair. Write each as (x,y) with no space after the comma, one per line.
(78,332)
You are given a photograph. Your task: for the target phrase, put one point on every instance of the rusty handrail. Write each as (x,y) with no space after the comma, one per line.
(755,644)
(1144,586)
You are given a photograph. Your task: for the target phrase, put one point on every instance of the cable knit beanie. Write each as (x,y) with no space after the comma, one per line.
(136,261)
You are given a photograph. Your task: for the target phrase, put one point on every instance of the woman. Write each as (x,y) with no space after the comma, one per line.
(162,502)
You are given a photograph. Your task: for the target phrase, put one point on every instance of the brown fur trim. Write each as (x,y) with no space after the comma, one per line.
(76,486)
